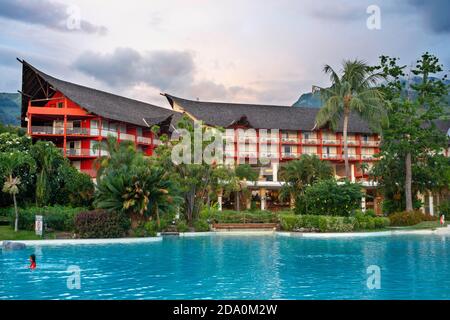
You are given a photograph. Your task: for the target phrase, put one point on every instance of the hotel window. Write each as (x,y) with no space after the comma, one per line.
(307,135)
(365,138)
(287,150)
(326,150)
(60,105)
(139,132)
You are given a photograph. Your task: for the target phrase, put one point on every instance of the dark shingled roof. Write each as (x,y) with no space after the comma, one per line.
(260,116)
(102,103)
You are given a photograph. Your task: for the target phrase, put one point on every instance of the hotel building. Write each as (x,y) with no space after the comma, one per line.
(78,119)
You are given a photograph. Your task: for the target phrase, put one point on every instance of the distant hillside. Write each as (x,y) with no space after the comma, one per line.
(312,100)
(10,104)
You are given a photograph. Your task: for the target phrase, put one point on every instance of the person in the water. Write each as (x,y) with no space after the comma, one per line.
(32,262)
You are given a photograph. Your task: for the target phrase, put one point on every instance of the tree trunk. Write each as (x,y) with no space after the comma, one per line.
(158,222)
(16,222)
(408,182)
(347,166)
(238,205)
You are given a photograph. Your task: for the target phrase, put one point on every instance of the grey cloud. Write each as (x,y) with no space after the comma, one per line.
(167,71)
(435,13)
(50,14)
(126,67)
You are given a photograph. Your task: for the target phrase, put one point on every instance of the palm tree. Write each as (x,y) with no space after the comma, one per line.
(299,174)
(9,163)
(117,155)
(243,173)
(353,91)
(162,198)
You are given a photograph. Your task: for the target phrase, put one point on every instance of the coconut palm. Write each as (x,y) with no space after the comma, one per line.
(353,91)
(9,164)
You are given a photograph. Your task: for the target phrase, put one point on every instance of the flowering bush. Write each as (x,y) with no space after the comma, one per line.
(101,224)
(409,218)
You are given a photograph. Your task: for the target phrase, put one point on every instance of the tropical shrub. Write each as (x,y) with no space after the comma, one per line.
(327,197)
(74,188)
(55,217)
(182,226)
(444,208)
(201,225)
(101,224)
(409,218)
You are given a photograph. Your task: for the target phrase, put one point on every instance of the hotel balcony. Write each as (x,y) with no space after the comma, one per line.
(367,157)
(269,155)
(144,140)
(289,155)
(269,139)
(331,156)
(370,143)
(248,154)
(80,153)
(310,141)
(47,130)
(127,137)
(331,142)
(352,142)
(287,140)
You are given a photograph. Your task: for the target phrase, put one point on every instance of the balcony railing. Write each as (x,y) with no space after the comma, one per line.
(330,156)
(310,141)
(289,155)
(80,152)
(144,140)
(367,156)
(127,136)
(370,143)
(248,154)
(106,133)
(269,155)
(269,139)
(289,139)
(352,142)
(331,141)
(47,130)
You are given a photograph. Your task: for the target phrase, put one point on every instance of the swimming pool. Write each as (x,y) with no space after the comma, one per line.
(233,267)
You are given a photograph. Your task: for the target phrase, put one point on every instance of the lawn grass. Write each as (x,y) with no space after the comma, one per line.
(7,233)
(422,225)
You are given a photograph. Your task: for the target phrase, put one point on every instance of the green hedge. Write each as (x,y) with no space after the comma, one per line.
(314,223)
(55,217)
(231,216)
(329,198)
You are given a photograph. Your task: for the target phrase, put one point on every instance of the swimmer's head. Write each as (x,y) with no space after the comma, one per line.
(33,258)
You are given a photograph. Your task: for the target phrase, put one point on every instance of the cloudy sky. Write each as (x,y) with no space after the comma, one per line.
(222,50)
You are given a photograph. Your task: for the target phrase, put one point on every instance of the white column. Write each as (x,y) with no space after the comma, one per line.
(275,171)
(363,202)
(352,173)
(431,204)
(219,203)
(263,199)
(422,199)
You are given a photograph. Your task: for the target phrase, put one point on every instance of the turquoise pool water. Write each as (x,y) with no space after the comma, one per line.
(234,267)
